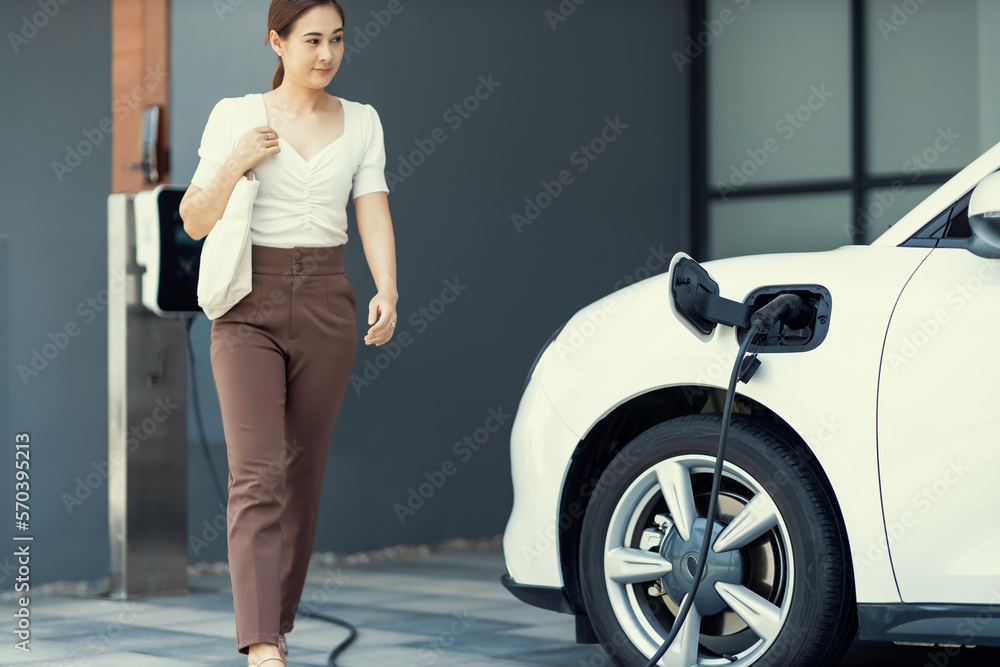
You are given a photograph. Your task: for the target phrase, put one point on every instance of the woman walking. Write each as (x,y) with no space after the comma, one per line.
(282,356)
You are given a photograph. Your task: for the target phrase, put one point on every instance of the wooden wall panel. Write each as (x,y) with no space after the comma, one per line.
(140,77)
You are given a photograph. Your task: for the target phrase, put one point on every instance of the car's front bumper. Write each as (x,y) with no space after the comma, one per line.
(540,449)
(545,597)
(553,599)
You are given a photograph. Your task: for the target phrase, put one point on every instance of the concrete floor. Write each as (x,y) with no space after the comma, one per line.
(438,609)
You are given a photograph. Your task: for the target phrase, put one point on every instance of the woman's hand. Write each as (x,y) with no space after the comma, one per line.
(384,304)
(254,146)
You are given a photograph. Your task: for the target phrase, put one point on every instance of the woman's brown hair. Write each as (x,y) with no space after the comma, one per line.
(282,16)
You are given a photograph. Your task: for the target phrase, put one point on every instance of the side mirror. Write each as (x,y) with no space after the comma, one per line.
(984,217)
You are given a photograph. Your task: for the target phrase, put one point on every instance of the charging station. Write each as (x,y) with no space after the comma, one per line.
(152,279)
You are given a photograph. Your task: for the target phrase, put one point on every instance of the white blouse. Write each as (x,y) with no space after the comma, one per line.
(299,203)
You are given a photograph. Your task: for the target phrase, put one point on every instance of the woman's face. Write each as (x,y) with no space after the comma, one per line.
(315,43)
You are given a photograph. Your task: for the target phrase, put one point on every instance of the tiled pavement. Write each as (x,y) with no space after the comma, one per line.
(444,609)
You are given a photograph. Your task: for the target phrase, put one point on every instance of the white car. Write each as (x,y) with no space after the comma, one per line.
(859,494)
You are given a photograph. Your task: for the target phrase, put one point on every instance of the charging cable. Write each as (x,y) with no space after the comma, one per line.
(217,486)
(788,308)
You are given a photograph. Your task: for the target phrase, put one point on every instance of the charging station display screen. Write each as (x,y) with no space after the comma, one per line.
(182,238)
(180,256)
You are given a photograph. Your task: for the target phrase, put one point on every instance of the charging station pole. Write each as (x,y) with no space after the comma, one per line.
(147,426)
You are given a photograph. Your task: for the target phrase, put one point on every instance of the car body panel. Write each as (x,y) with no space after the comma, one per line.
(938,431)
(587,372)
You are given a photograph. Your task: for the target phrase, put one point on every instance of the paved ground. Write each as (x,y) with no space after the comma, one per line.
(436,609)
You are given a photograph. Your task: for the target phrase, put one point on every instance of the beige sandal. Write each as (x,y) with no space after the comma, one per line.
(282,646)
(255,664)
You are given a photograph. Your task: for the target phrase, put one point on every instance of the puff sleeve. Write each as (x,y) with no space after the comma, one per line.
(370,174)
(215,145)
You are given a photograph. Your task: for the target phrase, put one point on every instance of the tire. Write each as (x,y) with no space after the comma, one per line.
(784,566)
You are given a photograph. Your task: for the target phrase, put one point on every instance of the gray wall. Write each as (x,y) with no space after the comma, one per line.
(452,220)
(53,260)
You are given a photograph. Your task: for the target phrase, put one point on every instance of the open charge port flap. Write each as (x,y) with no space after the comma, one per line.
(781,337)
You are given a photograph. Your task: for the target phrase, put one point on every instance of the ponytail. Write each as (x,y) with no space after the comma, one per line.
(279,74)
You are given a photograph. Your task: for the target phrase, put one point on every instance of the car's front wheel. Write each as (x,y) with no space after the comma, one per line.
(777,587)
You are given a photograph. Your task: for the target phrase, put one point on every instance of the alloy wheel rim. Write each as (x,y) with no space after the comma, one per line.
(750,602)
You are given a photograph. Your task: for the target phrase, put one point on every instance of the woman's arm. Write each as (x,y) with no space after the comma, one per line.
(375,230)
(201,209)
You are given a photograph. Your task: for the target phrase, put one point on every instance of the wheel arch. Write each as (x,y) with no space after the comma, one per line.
(626,421)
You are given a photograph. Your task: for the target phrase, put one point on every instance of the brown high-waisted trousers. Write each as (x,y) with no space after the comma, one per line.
(282,359)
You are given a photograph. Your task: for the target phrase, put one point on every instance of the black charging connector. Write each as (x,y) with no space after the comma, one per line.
(790,309)
(802,326)
(748,367)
